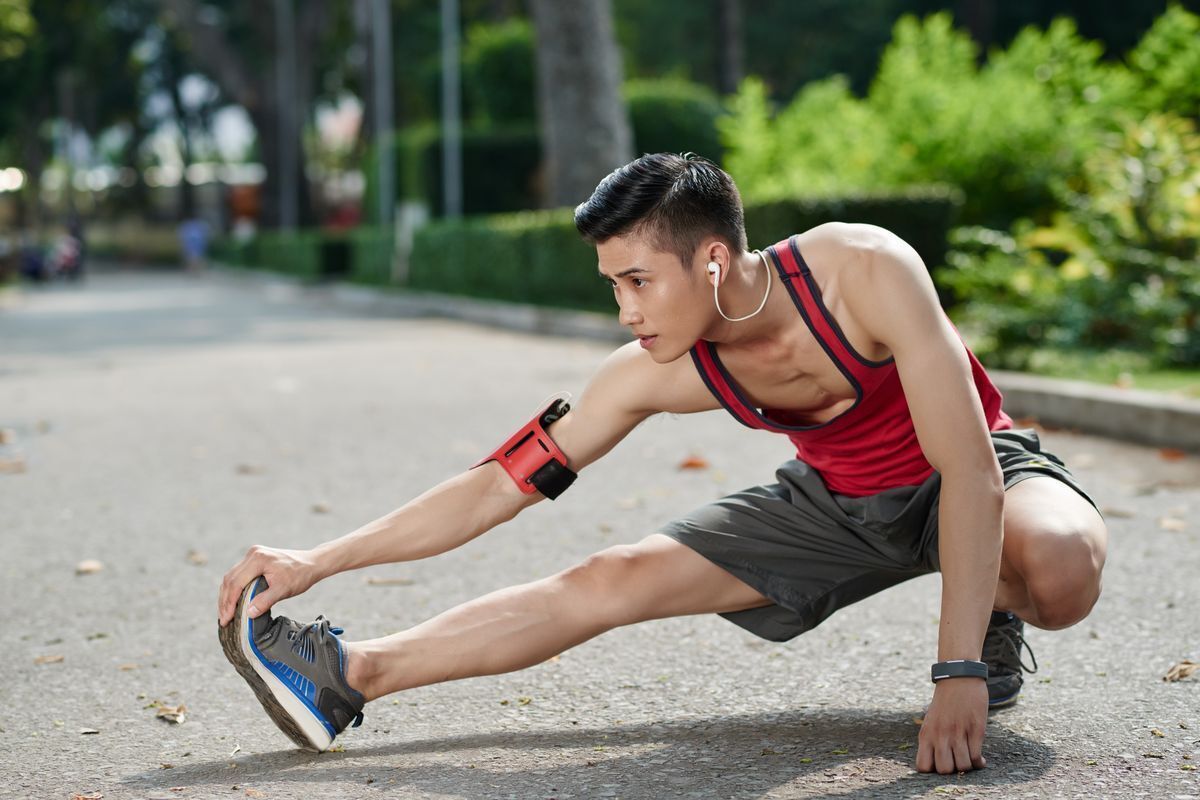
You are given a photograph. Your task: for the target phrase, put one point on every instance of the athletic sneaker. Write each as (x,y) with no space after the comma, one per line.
(296,670)
(1002,652)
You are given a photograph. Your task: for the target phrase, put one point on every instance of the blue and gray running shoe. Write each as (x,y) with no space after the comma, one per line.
(296,670)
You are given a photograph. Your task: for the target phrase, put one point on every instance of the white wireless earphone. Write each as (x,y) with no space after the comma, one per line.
(714,269)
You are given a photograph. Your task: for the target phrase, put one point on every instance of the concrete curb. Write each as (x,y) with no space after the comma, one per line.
(1149,418)
(1144,417)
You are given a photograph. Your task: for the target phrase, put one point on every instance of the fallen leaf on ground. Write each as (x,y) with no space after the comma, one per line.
(92,796)
(48,660)
(88,566)
(321,508)
(524,701)
(1172,524)
(1184,669)
(176,714)
(1157,732)
(1118,513)
(1082,461)
(766,751)
(88,731)
(236,750)
(693,462)
(197,558)
(12,465)
(1152,755)
(390,581)
(1171,454)
(918,720)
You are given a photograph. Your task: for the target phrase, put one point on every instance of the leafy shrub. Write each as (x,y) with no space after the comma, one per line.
(1117,269)
(1166,64)
(674,116)
(1002,133)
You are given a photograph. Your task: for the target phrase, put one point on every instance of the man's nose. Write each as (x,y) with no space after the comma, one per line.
(629,314)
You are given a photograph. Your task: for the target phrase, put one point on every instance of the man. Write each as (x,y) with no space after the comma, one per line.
(906,464)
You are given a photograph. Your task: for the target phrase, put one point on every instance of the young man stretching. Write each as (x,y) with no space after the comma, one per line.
(906,464)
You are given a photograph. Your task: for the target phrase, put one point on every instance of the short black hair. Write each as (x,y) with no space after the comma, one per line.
(676,200)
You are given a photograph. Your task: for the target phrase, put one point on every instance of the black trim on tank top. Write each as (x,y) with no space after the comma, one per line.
(815,291)
(707,382)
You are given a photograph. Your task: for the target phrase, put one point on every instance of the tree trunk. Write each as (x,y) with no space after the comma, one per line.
(730,55)
(584,122)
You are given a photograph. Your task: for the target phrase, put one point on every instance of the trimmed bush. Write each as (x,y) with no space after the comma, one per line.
(293,252)
(674,116)
(538,257)
(371,255)
(920,215)
(534,257)
(500,170)
(498,72)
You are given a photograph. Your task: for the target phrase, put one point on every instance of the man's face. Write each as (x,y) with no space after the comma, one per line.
(660,301)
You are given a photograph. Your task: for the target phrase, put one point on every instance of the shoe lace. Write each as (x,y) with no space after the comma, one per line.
(1003,646)
(319,628)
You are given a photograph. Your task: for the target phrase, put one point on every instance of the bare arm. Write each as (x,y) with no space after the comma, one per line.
(901,309)
(626,389)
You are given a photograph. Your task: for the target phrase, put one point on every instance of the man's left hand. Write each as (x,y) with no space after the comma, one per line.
(951,739)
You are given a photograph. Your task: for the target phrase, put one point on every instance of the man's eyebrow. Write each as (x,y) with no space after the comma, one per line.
(626,272)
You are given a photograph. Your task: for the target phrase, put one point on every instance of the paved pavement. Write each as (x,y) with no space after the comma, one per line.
(161,423)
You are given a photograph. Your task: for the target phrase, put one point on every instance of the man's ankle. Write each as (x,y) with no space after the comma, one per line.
(359,672)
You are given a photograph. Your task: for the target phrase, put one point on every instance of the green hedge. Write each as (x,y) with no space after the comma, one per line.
(293,252)
(674,116)
(921,216)
(538,257)
(532,257)
(500,170)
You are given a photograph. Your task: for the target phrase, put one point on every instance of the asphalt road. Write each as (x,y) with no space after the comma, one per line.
(161,423)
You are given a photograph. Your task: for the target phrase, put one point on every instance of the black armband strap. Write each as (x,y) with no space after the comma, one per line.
(960,668)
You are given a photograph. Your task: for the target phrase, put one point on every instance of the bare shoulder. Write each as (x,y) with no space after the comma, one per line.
(858,246)
(634,381)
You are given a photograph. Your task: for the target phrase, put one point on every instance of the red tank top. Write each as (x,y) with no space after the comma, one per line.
(870,447)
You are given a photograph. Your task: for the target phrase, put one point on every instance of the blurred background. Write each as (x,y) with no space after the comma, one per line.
(1041,155)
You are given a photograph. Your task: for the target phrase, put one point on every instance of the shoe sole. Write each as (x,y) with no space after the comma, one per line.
(1004,702)
(286,710)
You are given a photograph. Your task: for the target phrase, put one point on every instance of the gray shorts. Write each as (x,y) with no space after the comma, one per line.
(812,552)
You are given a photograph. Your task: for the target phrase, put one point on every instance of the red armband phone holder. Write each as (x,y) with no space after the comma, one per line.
(532,459)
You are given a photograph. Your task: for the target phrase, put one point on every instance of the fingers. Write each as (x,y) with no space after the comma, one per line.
(263,601)
(234,583)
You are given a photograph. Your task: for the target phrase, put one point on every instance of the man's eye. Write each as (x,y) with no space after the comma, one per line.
(638,282)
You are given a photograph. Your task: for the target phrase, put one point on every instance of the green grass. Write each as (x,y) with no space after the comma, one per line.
(1115,368)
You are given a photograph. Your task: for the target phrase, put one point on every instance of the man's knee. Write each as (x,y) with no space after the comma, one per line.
(614,581)
(1065,582)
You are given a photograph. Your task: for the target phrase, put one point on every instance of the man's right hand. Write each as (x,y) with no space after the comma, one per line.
(288,573)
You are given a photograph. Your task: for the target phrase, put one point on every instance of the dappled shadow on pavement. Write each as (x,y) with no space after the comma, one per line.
(805,752)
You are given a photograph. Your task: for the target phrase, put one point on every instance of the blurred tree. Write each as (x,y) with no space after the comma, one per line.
(236,45)
(65,41)
(585,127)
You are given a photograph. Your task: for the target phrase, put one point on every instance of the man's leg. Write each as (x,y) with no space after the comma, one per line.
(518,627)
(1054,549)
